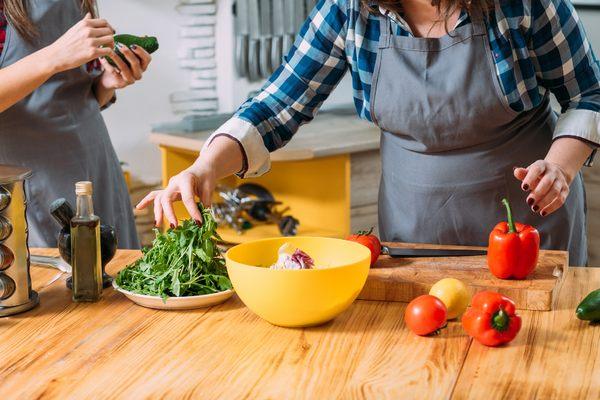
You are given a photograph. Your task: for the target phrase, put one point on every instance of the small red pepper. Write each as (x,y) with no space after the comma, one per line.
(513,248)
(491,319)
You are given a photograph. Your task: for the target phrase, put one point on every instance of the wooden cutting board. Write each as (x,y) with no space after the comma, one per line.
(403,279)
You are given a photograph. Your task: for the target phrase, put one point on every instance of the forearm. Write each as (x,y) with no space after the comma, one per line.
(20,79)
(223,155)
(569,154)
(103,94)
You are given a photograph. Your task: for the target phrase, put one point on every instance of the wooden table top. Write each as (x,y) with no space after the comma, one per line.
(327,135)
(116,349)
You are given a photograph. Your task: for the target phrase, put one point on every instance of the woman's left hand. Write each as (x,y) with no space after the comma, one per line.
(548,185)
(124,75)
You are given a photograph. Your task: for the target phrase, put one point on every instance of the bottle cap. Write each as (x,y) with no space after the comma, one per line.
(83,188)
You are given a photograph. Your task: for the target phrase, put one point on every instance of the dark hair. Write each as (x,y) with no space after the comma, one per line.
(16,13)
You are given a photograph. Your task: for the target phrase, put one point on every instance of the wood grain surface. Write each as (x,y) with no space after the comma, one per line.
(117,350)
(403,279)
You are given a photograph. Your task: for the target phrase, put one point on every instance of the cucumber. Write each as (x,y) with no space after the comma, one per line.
(589,308)
(148,43)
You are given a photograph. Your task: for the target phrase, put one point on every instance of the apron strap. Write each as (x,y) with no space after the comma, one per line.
(385,34)
(477,20)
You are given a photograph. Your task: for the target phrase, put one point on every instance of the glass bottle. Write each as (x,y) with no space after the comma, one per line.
(85,247)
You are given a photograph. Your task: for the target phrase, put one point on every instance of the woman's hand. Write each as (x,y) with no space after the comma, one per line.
(87,40)
(124,75)
(184,186)
(549,179)
(548,184)
(221,158)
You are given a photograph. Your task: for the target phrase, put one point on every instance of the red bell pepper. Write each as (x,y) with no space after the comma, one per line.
(513,248)
(491,319)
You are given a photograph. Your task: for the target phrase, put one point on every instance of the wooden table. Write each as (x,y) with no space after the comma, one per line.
(115,349)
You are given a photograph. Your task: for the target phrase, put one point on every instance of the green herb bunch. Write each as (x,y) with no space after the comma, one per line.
(184,261)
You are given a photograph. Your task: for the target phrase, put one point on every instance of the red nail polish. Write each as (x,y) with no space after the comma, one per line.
(198,222)
(155,223)
(543,214)
(535,208)
(530,201)
(525,187)
(172,226)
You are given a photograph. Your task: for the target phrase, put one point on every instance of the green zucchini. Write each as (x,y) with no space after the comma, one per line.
(589,308)
(148,43)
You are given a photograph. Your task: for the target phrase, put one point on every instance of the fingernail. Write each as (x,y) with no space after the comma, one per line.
(525,187)
(536,208)
(155,223)
(120,45)
(543,214)
(198,222)
(133,47)
(530,201)
(172,226)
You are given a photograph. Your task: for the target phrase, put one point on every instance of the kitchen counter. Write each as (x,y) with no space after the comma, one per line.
(115,349)
(327,135)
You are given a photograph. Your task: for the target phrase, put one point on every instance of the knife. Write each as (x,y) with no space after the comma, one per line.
(290,25)
(242,33)
(50,262)
(254,42)
(266,32)
(278,33)
(402,252)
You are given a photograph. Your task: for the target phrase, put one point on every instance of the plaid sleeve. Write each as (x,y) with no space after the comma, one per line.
(567,66)
(296,90)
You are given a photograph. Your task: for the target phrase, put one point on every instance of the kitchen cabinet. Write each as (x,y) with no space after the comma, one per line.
(115,349)
(328,175)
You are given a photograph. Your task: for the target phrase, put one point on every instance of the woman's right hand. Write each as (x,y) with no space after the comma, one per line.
(184,186)
(221,158)
(87,40)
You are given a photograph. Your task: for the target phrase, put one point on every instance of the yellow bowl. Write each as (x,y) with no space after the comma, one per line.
(297,298)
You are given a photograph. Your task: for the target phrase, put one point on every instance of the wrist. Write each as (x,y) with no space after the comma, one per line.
(47,61)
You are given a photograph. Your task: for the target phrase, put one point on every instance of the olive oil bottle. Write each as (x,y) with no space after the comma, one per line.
(85,247)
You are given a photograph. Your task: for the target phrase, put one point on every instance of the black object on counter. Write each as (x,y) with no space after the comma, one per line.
(63,212)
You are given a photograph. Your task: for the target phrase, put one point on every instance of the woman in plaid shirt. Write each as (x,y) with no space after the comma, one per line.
(460,91)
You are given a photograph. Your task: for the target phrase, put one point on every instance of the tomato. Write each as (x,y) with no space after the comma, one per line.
(370,241)
(425,315)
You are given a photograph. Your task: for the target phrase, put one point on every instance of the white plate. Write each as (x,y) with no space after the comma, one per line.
(176,303)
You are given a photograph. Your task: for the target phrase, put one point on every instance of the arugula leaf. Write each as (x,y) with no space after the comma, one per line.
(184,261)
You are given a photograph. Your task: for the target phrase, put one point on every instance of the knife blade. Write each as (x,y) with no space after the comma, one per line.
(50,262)
(402,252)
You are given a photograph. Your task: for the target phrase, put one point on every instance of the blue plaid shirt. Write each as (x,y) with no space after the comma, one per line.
(537,45)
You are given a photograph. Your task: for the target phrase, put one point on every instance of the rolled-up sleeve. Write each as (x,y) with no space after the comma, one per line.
(567,66)
(293,94)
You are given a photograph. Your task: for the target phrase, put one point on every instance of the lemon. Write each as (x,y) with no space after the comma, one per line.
(454,294)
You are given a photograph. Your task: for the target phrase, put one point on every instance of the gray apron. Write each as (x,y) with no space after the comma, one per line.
(58,132)
(450,141)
